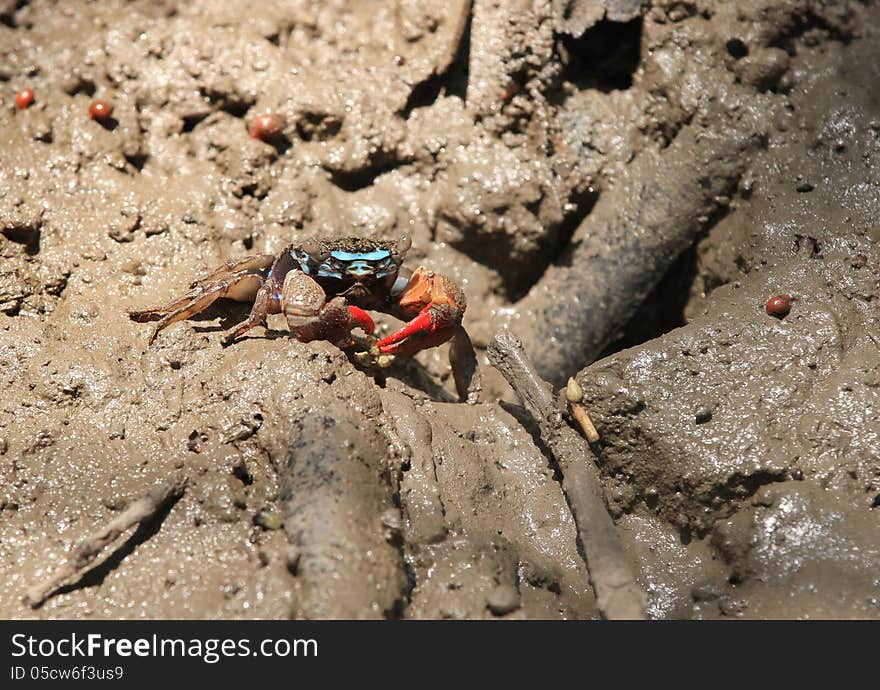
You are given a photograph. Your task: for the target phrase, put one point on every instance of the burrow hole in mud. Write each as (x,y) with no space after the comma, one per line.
(318,126)
(352,181)
(517,278)
(7,14)
(452,82)
(26,235)
(737,49)
(663,309)
(605,57)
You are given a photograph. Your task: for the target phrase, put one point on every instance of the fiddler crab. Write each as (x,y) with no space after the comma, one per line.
(324,287)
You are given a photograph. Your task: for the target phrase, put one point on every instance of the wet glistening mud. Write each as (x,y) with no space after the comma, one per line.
(624,186)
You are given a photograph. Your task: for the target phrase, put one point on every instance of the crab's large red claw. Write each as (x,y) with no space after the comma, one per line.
(436,305)
(432,327)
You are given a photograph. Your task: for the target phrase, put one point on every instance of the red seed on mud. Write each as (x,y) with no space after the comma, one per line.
(100,110)
(267,126)
(24,98)
(779,305)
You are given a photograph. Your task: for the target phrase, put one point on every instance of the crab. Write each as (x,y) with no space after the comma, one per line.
(324,288)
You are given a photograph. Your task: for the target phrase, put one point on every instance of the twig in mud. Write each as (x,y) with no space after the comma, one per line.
(574,393)
(88,550)
(618,595)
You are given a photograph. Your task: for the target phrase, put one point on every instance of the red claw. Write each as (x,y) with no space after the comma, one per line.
(423,323)
(362,319)
(436,305)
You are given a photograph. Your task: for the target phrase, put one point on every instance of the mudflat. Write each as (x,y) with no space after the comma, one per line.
(623,186)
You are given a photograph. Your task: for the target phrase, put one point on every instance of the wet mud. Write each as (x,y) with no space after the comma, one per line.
(608,179)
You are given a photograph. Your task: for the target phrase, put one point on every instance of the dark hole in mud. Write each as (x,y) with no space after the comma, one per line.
(191,121)
(26,235)
(80,85)
(606,56)
(7,16)
(137,161)
(109,123)
(241,473)
(230,103)
(359,179)
(452,82)
(518,278)
(395,613)
(235,108)
(583,203)
(663,310)
(251,190)
(317,126)
(282,145)
(423,95)
(737,49)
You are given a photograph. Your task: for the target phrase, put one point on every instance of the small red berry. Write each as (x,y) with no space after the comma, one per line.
(100,110)
(267,126)
(24,98)
(779,305)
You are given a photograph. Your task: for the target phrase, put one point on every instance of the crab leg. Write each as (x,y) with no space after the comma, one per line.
(265,303)
(254,262)
(433,326)
(362,319)
(240,286)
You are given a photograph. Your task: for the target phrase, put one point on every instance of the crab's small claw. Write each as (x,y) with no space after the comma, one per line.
(435,305)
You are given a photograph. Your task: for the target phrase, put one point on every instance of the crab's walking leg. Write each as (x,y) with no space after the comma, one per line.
(268,298)
(254,262)
(265,303)
(239,279)
(465,370)
(239,285)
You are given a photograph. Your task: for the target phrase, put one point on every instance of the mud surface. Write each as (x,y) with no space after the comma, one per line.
(740,450)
